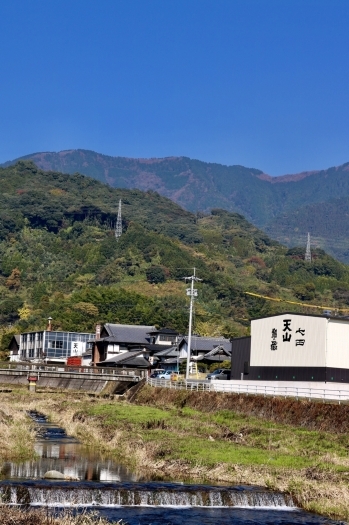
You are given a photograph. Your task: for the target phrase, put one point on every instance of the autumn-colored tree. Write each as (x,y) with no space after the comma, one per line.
(14,280)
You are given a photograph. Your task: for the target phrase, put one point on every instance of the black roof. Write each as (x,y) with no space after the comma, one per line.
(169,331)
(205,344)
(167,351)
(126,333)
(133,359)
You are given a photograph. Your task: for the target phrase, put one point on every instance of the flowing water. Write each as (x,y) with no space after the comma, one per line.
(118,493)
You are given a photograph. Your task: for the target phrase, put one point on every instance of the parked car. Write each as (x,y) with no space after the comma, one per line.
(219,373)
(157,372)
(165,375)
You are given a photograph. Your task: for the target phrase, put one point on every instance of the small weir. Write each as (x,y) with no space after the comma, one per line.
(61,494)
(118,493)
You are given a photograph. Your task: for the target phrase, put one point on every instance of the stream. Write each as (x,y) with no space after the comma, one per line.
(117,493)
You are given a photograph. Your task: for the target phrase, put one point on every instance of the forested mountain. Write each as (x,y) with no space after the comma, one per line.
(286,207)
(59,258)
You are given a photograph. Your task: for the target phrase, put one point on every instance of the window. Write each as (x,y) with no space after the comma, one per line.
(56,344)
(170,338)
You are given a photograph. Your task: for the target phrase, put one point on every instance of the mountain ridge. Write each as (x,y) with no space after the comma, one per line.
(200,186)
(275,179)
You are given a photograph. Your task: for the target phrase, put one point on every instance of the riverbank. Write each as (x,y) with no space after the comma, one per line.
(17,433)
(182,436)
(16,516)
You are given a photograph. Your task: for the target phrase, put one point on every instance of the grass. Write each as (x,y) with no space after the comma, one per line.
(166,437)
(16,516)
(194,437)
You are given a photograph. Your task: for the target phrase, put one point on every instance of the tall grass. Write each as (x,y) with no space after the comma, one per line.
(17,516)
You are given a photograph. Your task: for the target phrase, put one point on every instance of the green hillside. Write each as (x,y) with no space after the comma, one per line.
(59,258)
(287,207)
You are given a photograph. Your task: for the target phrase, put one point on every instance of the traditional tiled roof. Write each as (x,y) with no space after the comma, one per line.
(206,344)
(155,349)
(219,351)
(124,333)
(127,358)
(165,331)
(169,352)
(15,342)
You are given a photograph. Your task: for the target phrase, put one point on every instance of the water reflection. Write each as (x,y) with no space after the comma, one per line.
(57,451)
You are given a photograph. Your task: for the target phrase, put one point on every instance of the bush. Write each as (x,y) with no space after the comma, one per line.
(222,364)
(156,274)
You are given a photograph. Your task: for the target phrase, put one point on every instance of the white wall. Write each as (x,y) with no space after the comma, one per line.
(312,352)
(338,344)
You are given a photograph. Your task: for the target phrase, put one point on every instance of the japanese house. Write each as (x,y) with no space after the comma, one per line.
(201,346)
(115,339)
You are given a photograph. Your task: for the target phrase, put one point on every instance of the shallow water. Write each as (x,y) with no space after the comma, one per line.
(57,451)
(117,493)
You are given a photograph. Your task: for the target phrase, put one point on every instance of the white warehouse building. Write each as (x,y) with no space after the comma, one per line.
(293,347)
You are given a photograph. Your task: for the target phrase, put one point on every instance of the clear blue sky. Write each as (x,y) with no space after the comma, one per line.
(262,83)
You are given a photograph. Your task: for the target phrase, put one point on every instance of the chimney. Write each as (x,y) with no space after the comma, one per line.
(49,324)
(95,354)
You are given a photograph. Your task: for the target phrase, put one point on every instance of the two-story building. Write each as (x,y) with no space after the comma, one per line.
(116,339)
(52,346)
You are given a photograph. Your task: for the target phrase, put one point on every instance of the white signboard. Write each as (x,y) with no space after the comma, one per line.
(288,340)
(77,348)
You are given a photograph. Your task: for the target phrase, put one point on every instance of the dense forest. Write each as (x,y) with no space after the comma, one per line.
(59,258)
(286,208)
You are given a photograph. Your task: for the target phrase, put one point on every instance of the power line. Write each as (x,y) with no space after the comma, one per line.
(278,300)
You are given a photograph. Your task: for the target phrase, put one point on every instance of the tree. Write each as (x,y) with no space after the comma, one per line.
(156,274)
(14,282)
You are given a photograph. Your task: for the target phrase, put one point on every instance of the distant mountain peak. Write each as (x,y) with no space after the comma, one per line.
(295,177)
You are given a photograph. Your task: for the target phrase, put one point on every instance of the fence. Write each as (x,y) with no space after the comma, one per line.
(322,394)
(93,372)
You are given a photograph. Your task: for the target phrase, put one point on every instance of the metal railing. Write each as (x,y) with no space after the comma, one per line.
(322,394)
(132,373)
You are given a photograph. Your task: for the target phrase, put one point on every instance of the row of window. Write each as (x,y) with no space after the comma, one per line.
(31,337)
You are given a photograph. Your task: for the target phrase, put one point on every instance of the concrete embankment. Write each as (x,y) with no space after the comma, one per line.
(68,381)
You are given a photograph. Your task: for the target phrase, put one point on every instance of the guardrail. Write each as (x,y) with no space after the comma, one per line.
(322,394)
(93,372)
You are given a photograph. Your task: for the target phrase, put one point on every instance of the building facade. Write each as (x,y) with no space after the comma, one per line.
(47,345)
(294,347)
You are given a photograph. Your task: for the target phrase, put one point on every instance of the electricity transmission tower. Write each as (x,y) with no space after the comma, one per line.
(192,292)
(307,256)
(118,227)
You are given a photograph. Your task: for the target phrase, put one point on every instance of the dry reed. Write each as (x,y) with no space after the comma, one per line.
(18,516)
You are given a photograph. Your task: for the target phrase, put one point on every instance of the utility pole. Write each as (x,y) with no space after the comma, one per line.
(307,256)
(118,227)
(192,292)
